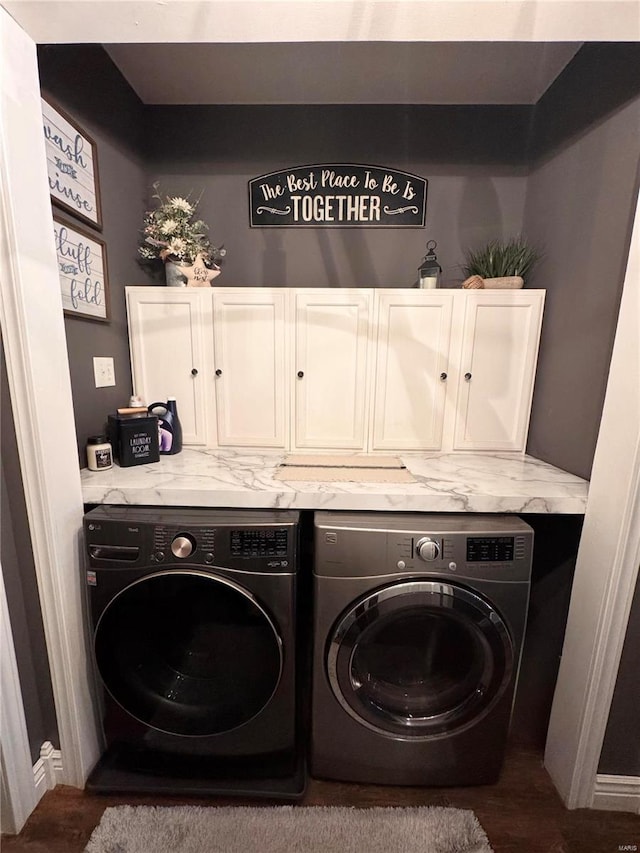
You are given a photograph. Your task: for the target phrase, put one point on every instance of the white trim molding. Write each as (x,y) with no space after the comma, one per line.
(225,21)
(19,796)
(617,793)
(47,771)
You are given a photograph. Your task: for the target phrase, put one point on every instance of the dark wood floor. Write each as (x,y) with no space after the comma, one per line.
(522,812)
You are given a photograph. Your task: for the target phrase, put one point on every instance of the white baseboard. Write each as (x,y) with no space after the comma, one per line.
(47,771)
(617,793)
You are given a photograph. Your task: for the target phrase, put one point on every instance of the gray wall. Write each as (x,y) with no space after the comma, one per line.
(579,208)
(18,571)
(473,158)
(105,106)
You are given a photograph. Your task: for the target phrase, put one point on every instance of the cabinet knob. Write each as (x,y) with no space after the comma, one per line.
(218,372)
(194,371)
(443,376)
(467,376)
(300,374)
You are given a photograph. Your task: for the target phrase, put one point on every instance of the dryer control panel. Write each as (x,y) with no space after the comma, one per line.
(472,546)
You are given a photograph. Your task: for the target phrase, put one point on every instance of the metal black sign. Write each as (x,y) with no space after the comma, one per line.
(338,196)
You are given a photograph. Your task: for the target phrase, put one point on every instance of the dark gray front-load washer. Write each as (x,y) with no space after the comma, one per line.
(193,621)
(419,621)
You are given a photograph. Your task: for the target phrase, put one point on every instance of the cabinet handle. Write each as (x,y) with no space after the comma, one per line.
(300,374)
(218,372)
(443,376)
(194,371)
(467,376)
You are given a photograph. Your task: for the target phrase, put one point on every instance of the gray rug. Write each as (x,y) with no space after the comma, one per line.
(287,829)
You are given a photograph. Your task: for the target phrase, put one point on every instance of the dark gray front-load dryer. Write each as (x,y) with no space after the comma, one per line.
(193,622)
(418,628)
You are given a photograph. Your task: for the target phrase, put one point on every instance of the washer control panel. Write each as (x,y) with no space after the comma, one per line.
(208,545)
(248,541)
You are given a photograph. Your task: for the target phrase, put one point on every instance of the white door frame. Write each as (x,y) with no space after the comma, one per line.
(38,376)
(33,329)
(606,568)
(19,797)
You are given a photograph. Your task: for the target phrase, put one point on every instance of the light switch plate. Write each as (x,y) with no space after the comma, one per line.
(104,372)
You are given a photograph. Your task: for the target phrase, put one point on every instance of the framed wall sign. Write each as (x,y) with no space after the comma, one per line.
(338,196)
(82,268)
(72,166)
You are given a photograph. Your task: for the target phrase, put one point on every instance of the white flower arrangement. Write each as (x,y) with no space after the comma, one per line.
(171,233)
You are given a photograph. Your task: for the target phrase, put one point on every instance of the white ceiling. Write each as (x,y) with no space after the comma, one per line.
(342,72)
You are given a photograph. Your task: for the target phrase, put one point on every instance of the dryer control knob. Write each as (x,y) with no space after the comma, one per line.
(182,547)
(427,549)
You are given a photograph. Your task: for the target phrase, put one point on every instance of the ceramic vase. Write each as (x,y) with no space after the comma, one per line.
(508,282)
(173,275)
(197,274)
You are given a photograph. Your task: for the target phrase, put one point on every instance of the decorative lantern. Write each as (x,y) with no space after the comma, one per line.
(429,270)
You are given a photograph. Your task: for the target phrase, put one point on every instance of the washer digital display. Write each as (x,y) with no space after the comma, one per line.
(263,542)
(490,549)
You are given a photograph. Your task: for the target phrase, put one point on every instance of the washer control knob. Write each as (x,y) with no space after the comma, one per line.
(182,546)
(401,564)
(427,549)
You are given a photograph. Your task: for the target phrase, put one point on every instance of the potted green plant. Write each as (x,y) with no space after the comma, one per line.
(173,235)
(500,264)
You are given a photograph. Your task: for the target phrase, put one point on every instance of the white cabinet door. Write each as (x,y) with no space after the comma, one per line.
(166,328)
(330,368)
(497,369)
(250,369)
(412,364)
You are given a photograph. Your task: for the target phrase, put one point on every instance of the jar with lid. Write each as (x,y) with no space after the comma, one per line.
(99,454)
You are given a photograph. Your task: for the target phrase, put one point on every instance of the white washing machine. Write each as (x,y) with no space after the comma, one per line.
(419,621)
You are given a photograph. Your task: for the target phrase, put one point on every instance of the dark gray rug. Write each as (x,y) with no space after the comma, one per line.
(287,829)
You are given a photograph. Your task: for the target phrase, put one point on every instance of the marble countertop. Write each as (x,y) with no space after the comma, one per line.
(445,482)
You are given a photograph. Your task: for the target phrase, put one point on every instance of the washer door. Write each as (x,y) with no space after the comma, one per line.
(419,659)
(188,653)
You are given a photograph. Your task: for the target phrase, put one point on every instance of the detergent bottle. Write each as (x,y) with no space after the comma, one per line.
(170,430)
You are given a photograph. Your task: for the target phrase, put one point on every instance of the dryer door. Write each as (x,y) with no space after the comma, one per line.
(419,659)
(188,653)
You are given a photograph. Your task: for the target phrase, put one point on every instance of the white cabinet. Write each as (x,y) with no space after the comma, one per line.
(412,364)
(498,357)
(349,369)
(329,393)
(250,348)
(166,337)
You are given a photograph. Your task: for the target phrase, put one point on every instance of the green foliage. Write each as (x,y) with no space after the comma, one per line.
(501,258)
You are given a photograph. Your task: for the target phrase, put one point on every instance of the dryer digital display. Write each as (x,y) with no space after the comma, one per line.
(490,549)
